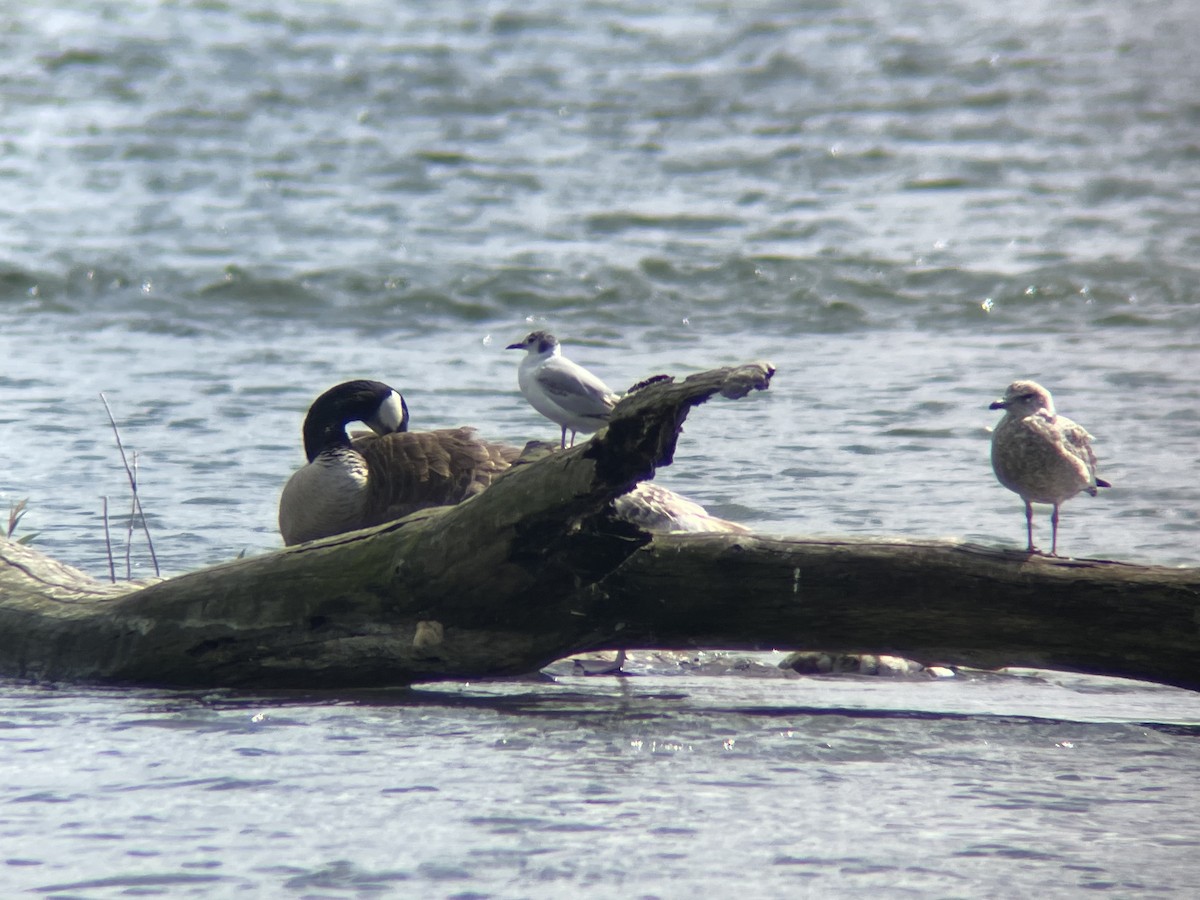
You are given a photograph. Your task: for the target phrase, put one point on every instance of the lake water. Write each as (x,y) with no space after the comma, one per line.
(212,212)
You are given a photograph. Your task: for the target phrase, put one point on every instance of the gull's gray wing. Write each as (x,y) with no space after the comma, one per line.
(574,388)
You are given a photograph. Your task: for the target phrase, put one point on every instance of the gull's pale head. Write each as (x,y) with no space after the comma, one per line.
(537,342)
(1024,398)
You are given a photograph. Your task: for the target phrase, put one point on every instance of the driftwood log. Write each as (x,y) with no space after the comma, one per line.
(536,568)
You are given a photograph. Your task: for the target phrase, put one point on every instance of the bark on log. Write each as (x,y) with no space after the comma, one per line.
(936,602)
(536,568)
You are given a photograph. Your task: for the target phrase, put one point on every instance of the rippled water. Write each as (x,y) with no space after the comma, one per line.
(651,787)
(212,212)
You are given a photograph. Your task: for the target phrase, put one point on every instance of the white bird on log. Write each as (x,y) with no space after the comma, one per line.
(375,478)
(1040,455)
(563,391)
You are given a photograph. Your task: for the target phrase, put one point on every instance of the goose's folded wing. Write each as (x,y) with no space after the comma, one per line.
(415,470)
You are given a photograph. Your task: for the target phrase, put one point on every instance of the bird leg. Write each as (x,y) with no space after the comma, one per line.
(1029,527)
(602,667)
(563,443)
(1054,531)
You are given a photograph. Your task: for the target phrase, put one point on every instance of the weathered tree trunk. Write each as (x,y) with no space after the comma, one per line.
(931,601)
(536,568)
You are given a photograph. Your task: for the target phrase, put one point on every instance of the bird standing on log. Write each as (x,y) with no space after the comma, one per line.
(1040,455)
(563,391)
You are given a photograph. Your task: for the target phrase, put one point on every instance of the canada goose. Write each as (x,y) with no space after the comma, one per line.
(564,392)
(348,485)
(1042,456)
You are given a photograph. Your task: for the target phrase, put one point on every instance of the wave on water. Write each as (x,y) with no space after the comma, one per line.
(737,293)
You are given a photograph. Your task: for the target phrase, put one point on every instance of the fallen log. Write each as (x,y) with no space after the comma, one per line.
(936,602)
(537,568)
(477,589)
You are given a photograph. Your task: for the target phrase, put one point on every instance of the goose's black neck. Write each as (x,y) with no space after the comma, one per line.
(324,429)
(322,435)
(352,401)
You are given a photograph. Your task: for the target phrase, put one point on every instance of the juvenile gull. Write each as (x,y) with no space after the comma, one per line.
(564,392)
(1042,456)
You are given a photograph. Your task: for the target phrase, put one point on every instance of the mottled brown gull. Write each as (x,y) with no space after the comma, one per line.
(1040,455)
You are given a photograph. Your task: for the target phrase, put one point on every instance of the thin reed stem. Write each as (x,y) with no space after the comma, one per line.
(137,503)
(133,508)
(112,569)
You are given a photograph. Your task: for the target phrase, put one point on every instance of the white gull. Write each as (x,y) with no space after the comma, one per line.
(563,391)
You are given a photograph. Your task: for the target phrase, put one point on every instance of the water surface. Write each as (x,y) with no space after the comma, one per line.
(212,212)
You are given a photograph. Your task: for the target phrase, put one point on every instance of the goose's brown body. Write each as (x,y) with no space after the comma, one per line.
(384,477)
(416,470)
